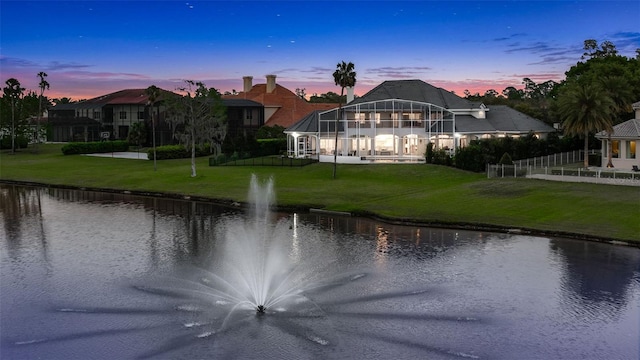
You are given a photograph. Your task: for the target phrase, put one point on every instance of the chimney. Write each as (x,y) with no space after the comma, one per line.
(248,83)
(271,83)
(349,94)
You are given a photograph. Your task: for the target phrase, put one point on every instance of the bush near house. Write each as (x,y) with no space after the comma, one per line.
(74,148)
(21,142)
(478,153)
(176,152)
(272,146)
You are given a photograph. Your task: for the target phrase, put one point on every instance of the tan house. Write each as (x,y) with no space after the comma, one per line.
(624,143)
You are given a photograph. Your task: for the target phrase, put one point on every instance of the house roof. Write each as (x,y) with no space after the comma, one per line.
(307,124)
(240,103)
(505,119)
(629,129)
(289,107)
(416,90)
(122,97)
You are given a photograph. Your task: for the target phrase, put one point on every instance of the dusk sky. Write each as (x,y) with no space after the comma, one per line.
(94,48)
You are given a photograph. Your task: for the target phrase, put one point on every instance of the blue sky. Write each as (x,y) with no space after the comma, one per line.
(93,48)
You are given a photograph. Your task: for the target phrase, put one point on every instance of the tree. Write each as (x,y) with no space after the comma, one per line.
(44,84)
(513,94)
(328,97)
(301,93)
(13,92)
(137,134)
(344,76)
(591,49)
(153,92)
(584,109)
(202,117)
(63,100)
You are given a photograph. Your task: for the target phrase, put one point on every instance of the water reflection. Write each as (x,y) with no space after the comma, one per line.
(611,282)
(78,250)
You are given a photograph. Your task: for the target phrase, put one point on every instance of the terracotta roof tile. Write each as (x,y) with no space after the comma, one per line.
(291,108)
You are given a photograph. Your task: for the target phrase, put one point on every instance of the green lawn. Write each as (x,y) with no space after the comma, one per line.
(421,193)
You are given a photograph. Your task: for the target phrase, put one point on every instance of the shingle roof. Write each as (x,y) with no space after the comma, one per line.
(240,103)
(504,118)
(308,124)
(629,129)
(416,90)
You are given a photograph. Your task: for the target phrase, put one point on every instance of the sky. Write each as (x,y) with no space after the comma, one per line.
(92,48)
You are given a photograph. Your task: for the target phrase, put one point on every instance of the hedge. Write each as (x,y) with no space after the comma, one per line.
(167,152)
(21,142)
(74,148)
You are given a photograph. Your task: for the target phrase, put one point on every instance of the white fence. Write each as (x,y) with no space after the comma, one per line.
(552,167)
(524,167)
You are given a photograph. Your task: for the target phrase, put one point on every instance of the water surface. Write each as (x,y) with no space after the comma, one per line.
(86,274)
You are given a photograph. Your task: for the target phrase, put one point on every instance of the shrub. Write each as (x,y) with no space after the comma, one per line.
(429,153)
(74,148)
(272,146)
(176,152)
(21,142)
(505,159)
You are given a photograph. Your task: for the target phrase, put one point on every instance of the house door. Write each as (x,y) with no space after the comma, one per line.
(302,146)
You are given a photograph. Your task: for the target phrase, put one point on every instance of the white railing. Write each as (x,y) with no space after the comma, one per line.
(558,159)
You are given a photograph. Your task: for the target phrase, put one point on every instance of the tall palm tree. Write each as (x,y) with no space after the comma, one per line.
(153,92)
(44,84)
(344,76)
(13,91)
(585,108)
(620,91)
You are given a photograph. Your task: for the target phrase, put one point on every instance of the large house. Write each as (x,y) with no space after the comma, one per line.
(281,106)
(397,119)
(114,114)
(624,143)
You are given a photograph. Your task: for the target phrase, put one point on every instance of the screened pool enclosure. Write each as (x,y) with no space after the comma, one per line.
(377,131)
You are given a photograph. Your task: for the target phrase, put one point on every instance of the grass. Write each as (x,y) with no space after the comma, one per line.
(408,192)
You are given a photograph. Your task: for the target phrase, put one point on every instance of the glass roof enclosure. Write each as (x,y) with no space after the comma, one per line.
(387,130)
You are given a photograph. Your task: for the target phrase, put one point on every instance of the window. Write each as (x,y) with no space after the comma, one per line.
(615,149)
(361,117)
(248,117)
(96,115)
(123,115)
(631,149)
(140,115)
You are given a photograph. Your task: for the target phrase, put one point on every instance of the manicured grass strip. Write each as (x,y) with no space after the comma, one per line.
(422,193)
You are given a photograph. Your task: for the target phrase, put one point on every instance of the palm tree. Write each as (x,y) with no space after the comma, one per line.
(154,93)
(584,109)
(44,84)
(620,92)
(13,91)
(344,76)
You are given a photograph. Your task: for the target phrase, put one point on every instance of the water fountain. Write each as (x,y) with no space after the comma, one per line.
(87,274)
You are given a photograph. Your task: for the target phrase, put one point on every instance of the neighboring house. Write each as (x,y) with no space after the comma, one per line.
(624,143)
(115,113)
(397,119)
(281,106)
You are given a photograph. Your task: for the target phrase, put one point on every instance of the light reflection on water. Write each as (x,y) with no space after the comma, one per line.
(69,258)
